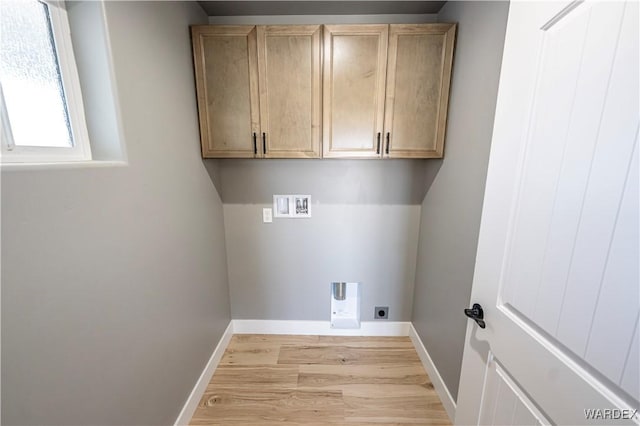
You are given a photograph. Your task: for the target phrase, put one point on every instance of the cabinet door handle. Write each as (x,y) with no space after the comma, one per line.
(255,144)
(264,143)
(387,149)
(378,148)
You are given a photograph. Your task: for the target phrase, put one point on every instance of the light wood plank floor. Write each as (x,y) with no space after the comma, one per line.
(316,380)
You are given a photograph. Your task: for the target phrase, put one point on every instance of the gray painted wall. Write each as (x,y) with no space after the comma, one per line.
(324,19)
(451,210)
(403,182)
(283,270)
(364,228)
(114,282)
(315,7)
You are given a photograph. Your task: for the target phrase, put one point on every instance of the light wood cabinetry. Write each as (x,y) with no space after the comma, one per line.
(258,90)
(290,99)
(355,69)
(418,78)
(264,92)
(408,113)
(226,69)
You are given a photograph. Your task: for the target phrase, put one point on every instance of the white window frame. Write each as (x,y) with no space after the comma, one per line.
(81,150)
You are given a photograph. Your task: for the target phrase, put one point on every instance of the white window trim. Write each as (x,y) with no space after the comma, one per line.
(81,150)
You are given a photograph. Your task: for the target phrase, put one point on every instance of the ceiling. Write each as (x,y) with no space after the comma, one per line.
(312,7)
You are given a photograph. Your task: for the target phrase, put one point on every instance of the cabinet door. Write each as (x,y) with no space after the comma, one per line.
(226,71)
(355,64)
(418,77)
(290,102)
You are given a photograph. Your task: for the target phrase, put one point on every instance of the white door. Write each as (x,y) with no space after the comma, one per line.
(557,263)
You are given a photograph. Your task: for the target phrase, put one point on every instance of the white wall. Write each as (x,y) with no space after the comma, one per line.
(114,281)
(450,217)
(97,80)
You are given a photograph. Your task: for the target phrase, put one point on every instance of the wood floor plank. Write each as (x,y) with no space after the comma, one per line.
(373,341)
(389,403)
(315,376)
(255,376)
(385,391)
(318,380)
(250,353)
(260,406)
(282,339)
(346,355)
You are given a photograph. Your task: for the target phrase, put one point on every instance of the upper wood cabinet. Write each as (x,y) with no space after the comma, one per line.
(258,90)
(404,118)
(226,69)
(355,69)
(290,99)
(418,78)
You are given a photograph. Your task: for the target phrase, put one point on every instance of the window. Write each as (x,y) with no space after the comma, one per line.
(40,100)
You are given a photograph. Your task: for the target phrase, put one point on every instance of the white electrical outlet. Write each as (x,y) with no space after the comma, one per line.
(267,215)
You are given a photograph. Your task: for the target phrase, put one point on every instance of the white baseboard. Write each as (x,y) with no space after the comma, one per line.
(192,402)
(320,328)
(438,384)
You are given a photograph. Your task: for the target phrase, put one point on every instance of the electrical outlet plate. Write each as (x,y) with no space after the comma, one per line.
(267,215)
(381,312)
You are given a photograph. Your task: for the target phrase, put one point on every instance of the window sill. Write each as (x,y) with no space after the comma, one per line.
(70,165)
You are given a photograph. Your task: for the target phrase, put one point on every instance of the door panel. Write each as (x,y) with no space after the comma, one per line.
(290,102)
(551,106)
(616,307)
(609,171)
(504,403)
(354,87)
(592,84)
(227,79)
(418,78)
(563,243)
(557,262)
(631,375)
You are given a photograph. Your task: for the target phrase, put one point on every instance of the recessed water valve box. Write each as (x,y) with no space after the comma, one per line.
(345,305)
